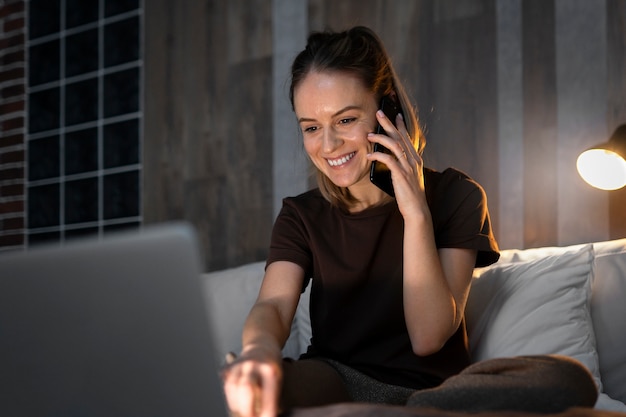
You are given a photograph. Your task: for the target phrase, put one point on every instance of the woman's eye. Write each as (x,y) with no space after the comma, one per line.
(347,120)
(309,129)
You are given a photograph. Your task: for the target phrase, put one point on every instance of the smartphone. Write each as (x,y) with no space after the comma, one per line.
(380,175)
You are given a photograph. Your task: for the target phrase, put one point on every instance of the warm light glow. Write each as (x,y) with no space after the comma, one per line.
(602,169)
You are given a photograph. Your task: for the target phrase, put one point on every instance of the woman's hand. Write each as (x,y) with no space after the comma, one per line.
(252,383)
(405,164)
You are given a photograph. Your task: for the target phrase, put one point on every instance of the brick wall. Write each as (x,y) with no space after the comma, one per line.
(12,123)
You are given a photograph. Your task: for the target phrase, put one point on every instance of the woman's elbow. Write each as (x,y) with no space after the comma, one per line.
(426,346)
(432,340)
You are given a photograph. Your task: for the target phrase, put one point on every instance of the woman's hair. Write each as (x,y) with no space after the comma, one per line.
(360,52)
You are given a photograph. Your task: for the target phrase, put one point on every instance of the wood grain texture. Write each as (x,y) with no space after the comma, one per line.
(616,91)
(207,134)
(539,115)
(209,130)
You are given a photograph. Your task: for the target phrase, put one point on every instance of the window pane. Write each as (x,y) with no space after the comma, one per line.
(113,7)
(43,238)
(43,110)
(121,144)
(43,206)
(121,42)
(43,64)
(43,158)
(120,195)
(81,102)
(81,201)
(121,92)
(80,12)
(44,17)
(81,53)
(81,151)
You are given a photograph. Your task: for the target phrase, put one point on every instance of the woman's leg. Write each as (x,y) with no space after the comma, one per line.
(316,382)
(544,383)
(311,383)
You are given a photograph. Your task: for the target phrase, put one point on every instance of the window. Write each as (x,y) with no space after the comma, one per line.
(84,112)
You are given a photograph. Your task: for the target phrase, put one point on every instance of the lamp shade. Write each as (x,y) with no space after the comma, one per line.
(604,166)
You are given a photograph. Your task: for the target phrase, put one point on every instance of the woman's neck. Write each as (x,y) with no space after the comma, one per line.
(368,201)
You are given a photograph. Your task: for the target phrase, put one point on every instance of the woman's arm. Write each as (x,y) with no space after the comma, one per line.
(252,382)
(436,286)
(436,282)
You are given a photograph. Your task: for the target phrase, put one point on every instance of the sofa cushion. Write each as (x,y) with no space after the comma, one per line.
(608,311)
(230,294)
(608,291)
(540,306)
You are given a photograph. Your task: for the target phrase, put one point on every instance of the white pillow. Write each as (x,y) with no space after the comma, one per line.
(539,306)
(608,310)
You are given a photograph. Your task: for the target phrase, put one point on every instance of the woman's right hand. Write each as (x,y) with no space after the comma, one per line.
(252,382)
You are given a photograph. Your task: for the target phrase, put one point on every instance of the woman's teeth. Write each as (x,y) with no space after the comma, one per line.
(340,161)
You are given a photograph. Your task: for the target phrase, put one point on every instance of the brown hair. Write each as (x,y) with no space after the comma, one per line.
(358,51)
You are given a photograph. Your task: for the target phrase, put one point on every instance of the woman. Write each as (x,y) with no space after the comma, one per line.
(390,276)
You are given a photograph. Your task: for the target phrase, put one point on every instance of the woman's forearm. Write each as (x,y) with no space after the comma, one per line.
(265,328)
(430,307)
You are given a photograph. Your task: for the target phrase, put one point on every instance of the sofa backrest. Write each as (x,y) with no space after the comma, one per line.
(599,270)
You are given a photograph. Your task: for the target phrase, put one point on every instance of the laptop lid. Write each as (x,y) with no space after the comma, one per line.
(110,327)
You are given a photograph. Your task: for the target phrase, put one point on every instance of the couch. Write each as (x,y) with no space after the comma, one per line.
(568,300)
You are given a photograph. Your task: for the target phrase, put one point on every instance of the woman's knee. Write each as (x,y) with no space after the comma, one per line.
(309,383)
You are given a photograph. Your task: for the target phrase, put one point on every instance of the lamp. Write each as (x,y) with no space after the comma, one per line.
(604,166)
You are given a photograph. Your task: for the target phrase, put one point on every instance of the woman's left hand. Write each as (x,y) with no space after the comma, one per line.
(405,164)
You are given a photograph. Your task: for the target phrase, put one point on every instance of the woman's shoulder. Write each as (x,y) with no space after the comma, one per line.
(452,192)
(450,180)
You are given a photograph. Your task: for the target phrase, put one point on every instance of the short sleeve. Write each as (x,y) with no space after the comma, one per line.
(461,216)
(290,241)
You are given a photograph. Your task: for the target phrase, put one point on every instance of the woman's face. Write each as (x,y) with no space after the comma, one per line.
(336,112)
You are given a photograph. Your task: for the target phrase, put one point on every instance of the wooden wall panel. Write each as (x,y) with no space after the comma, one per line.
(210,108)
(539,115)
(616,91)
(456,92)
(207,134)
(581,48)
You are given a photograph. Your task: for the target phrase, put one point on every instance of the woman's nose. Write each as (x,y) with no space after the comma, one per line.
(331,141)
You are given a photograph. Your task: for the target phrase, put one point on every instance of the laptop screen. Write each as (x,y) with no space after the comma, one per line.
(116,326)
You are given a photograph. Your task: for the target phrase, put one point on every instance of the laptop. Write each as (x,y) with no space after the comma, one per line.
(115,326)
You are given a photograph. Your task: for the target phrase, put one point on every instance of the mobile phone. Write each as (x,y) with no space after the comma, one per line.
(380,175)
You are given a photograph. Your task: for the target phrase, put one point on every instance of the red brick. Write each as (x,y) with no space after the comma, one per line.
(12,140)
(12,157)
(15,90)
(12,41)
(11,174)
(12,74)
(12,240)
(13,107)
(13,223)
(13,58)
(12,207)
(13,24)
(12,7)
(14,123)
(13,190)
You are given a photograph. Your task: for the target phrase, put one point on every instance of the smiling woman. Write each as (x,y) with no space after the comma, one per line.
(389,276)
(336,113)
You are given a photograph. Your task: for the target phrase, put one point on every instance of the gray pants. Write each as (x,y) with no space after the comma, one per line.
(545,383)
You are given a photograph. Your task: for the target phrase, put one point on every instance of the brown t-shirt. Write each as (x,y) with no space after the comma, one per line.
(354,262)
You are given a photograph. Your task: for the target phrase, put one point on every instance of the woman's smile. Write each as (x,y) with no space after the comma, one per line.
(338,162)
